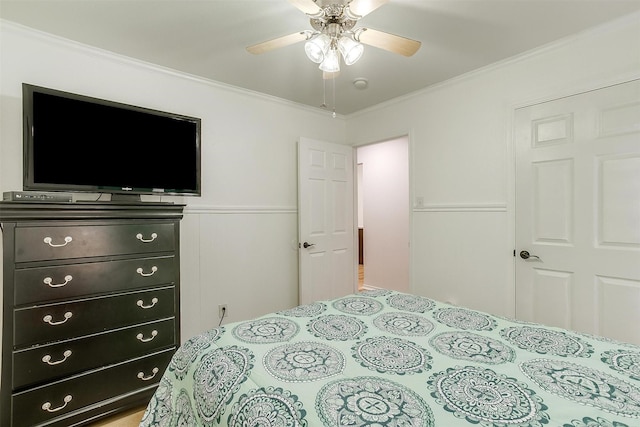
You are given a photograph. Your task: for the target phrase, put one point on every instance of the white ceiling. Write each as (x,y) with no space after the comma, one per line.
(207,38)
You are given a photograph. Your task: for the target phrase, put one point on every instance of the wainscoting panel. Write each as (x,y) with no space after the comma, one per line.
(244,257)
(460,255)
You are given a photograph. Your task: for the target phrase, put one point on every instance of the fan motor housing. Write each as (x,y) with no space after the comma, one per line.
(319,24)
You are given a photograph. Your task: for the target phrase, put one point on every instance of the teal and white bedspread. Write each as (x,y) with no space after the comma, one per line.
(383,358)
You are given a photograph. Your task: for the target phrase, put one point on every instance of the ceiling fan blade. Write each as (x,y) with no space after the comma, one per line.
(364,7)
(306,6)
(388,41)
(277,43)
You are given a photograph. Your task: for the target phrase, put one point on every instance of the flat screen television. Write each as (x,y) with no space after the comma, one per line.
(79,143)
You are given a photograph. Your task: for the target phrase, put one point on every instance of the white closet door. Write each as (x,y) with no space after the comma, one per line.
(578,212)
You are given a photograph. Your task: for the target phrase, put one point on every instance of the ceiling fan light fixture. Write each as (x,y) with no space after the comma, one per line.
(350,49)
(316,47)
(331,63)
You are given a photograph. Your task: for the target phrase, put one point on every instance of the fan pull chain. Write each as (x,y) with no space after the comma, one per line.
(324,94)
(334,97)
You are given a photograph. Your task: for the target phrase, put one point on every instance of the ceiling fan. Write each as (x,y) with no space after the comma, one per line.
(334,33)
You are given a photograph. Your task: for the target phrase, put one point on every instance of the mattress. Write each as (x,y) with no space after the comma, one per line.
(384,358)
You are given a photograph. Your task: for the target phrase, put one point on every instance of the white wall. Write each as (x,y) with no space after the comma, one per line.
(385,202)
(236,240)
(462,160)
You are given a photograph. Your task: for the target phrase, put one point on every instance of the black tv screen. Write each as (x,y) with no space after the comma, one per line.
(78,143)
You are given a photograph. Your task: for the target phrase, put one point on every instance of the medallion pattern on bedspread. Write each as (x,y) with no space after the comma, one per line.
(159,409)
(375,292)
(383,358)
(267,407)
(547,341)
(188,352)
(217,377)
(307,310)
(472,347)
(413,303)
(358,305)
(625,361)
(337,327)
(405,324)
(584,385)
(371,401)
(304,362)
(598,422)
(266,330)
(184,415)
(486,397)
(392,356)
(461,318)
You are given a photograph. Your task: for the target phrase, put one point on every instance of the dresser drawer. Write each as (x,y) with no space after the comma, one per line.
(45,363)
(54,322)
(41,284)
(66,242)
(57,399)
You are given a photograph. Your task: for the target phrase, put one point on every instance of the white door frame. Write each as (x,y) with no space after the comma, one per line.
(409,136)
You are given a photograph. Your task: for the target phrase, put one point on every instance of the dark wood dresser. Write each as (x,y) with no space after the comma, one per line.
(90,308)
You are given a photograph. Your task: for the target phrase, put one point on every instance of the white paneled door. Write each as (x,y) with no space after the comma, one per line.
(325,220)
(578,212)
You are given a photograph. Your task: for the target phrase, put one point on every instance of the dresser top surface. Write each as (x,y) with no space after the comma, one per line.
(24,211)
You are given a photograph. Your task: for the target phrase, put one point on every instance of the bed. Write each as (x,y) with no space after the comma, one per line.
(383,358)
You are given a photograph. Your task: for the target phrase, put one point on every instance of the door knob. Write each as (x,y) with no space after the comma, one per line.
(307,245)
(527,255)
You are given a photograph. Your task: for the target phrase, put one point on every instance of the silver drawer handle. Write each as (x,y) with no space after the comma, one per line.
(140,237)
(48,319)
(140,303)
(141,272)
(140,336)
(47,359)
(49,281)
(143,378)
(47,405)
(67,240)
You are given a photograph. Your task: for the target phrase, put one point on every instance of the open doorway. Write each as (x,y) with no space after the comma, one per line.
(383,214)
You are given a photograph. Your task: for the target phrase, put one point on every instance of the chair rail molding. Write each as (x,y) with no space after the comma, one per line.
(239,210)
(463,207)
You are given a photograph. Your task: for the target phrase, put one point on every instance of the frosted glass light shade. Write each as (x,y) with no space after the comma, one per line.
(316,47)
(331,63)
(350,49)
